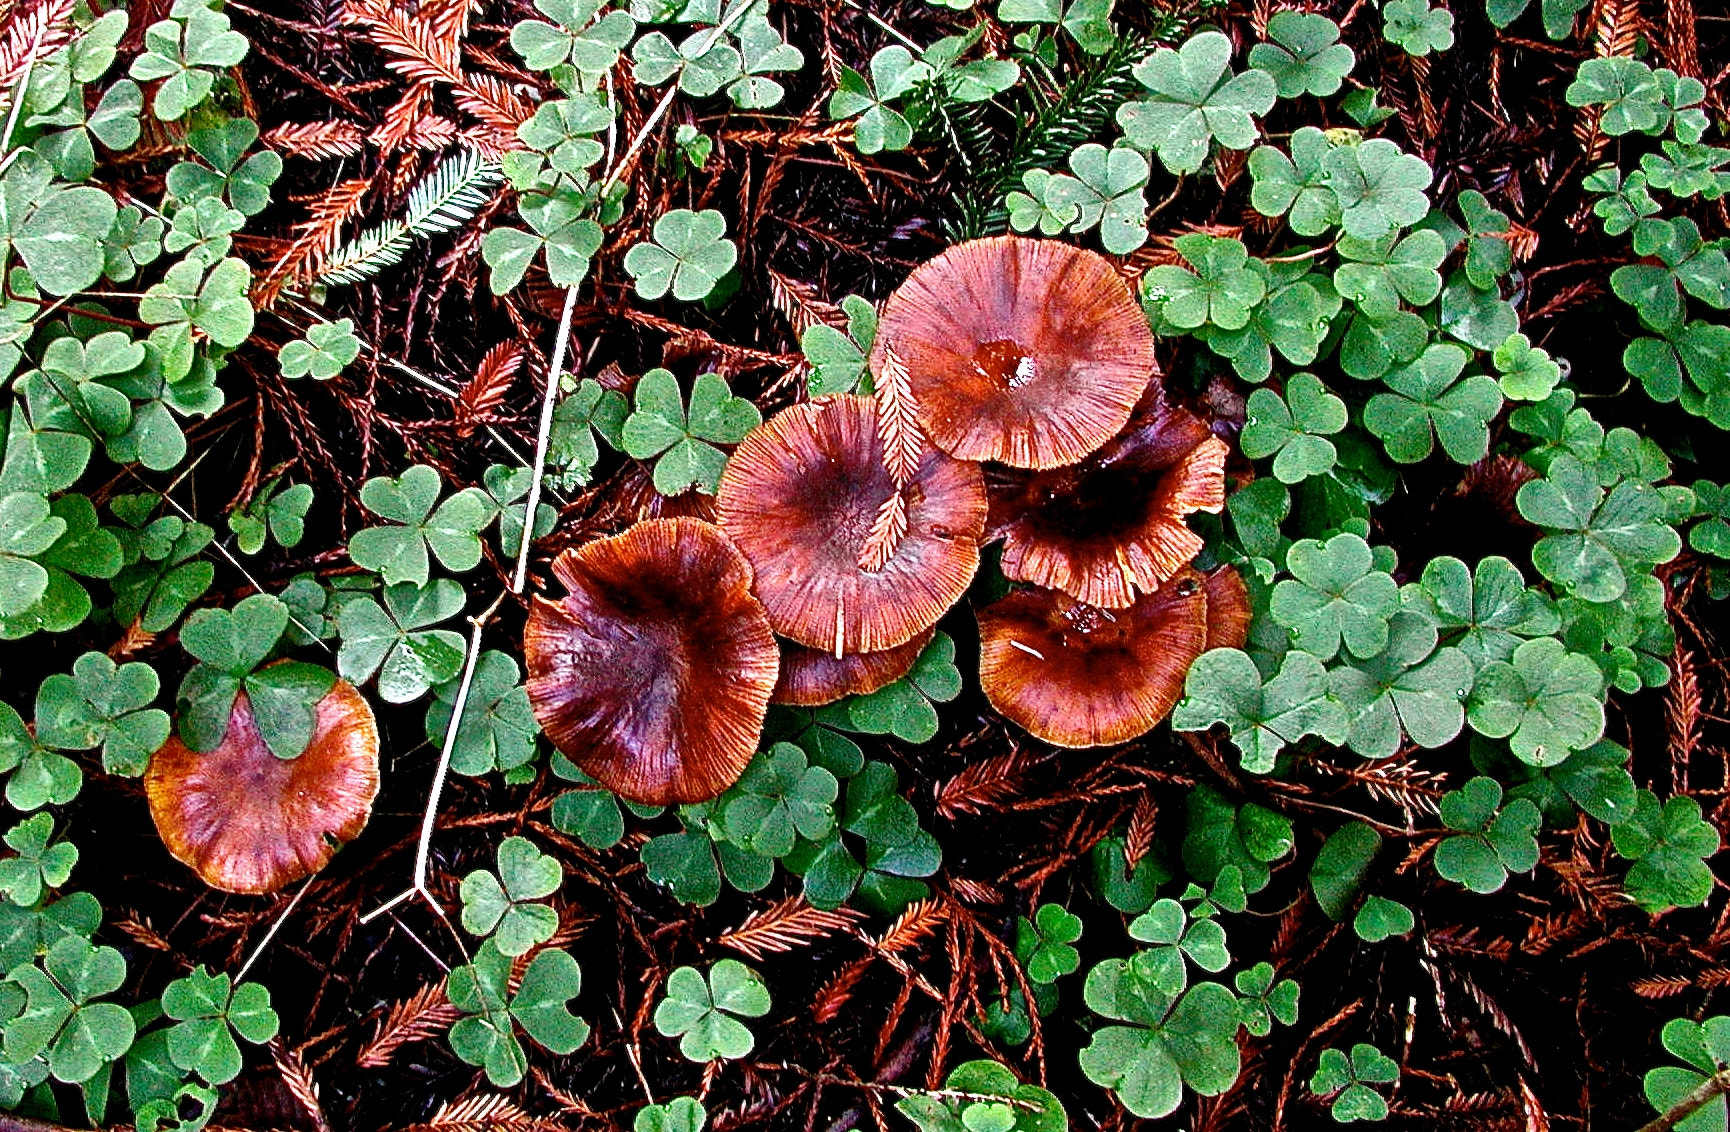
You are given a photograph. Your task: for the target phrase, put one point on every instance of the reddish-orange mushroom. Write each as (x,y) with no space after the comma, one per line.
(1075,675)
(653,673)
(247,821)
(1028,352)
(1113,524)
(813,677)
(1228,609)
(801,497)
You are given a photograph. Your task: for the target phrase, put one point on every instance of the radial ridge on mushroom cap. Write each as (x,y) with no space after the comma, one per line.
(813,677)
(249,822)
(653,673)
(1113,524)
(1228,610)
(1075,675)
(1032,353)
(800,496)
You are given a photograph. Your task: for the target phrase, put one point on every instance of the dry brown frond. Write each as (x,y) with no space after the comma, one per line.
(887,531)
(425,1014)
(986,784)
(801,305)
(897,422)
(317,140)
(298,1080)
(789,924)
(486,390)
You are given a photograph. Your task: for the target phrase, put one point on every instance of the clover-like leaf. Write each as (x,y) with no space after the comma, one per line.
(1195,100)
(1428,401)
(498,727)
(208,1011)
(1492,839)
(1335,595)
(1416,27)
(1223,686)
(1528,373)
(322,353)
(1668,843)
(503,906)
(1106,191)
(103,704)
(398,550)
(1412,690)
(1167,1043)
(1049,934)
(1304,55)
(1545,700)
(1348,1079)
(684,444)
(1489,607)
(396,641)
(1379,188)
(1296,186)
(1294,429)
(703,1013)
(1221,291)
(687,257)
(1377,274)
(894,73)
(1591,533)
(41,863)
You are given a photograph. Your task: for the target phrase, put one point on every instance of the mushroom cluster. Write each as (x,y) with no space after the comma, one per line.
(1016,400)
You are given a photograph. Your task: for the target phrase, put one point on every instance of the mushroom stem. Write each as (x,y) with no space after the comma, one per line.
(423,851)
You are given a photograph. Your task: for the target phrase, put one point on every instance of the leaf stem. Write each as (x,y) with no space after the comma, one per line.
(1704,1094)
(423,851)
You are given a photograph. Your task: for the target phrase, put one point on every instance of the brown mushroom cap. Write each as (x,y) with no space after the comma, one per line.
(653,673)
(800,496)
(1074,675)
(1028,352)
(1228,610)
(249,822)
(1114,523)
(813,677)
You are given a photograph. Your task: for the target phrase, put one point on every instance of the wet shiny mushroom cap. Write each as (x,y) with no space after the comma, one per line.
(813,677)
(1112,525)
(800,497)
(249,822)
(1028,352)
(653,673)
(1075,675)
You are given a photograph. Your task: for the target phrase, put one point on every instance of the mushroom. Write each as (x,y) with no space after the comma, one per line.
(801,497)
(813,677)
(1076,675)
(653,673)
(249,822)
(1028,352)
(1228,611)
(1113,524)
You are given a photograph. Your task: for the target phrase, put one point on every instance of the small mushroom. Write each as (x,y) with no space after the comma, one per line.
(249,822)
(1028,352)
(801,497)
(1075,675)
(813,677)
(1113,524)
(653,673)
(1228,609)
